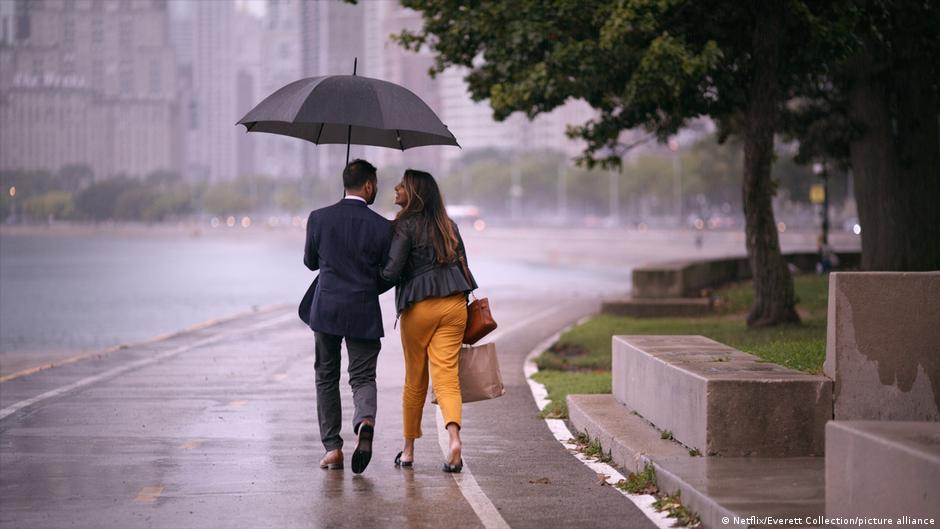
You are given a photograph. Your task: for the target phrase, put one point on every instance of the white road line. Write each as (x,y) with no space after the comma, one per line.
(9,410)
(500,332)
(485,510)
(644,502)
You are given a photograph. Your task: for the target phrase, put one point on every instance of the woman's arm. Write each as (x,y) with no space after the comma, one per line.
(398,255)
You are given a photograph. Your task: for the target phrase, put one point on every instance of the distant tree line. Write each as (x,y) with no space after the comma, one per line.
(74,194)
(647,186)
(709,174)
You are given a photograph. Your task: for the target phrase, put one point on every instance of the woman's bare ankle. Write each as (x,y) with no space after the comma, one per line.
(408,452)
(456,449)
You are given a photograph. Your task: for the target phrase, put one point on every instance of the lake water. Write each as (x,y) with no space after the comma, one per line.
(75,292)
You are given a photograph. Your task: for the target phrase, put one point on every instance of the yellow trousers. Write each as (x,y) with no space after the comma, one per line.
(432,332)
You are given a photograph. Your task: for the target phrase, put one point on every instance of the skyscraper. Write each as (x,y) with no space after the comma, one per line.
(330,45)
(88,82)
(281,64)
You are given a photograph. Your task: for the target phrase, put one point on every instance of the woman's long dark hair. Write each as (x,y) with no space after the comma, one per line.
(424,201)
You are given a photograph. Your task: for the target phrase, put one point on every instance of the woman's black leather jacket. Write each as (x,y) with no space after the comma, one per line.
(413,265)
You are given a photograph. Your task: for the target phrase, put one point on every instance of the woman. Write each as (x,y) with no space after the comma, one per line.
(431,297)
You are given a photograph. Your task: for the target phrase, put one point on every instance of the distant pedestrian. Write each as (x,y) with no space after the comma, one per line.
(431,299)
(828,259)
(347,242)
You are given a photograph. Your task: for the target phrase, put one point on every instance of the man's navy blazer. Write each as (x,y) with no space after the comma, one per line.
(348,243)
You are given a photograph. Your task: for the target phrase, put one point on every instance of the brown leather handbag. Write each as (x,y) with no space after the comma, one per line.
(480,320)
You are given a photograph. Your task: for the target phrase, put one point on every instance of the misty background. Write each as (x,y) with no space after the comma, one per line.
(131,204)
(125,110)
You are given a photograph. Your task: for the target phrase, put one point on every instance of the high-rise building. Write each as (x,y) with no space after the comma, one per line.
(6,22)
(211,151)
(88,82)
(281,63)
(333,36)
(408,69)
(220,49)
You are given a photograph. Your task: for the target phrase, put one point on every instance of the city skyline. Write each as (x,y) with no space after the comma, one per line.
(157,85)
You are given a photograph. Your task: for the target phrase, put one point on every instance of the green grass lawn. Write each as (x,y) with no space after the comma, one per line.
(580,361)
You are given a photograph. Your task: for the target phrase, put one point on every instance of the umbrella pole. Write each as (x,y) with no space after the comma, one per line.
(349,129)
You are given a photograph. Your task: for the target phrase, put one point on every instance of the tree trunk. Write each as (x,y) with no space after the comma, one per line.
(896,163)
(773,285)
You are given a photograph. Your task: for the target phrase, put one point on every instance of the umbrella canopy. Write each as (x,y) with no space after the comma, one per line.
(349,109)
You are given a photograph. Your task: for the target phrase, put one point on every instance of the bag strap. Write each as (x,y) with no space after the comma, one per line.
(466,273)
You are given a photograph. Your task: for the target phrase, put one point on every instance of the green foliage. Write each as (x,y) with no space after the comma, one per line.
(673,507)
(99,200)
(640,63)
(561,384)
(53,205)
(72,194)
(289,198)
(225,198)
(591,447)
(643,482)
(74,177)
(800,347)
(666,435)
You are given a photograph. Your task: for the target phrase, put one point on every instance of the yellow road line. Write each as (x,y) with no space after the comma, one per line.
(238,403)
(149,494)
(57,363)
(192,443)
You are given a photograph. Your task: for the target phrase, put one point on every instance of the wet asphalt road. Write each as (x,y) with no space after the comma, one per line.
(216,427)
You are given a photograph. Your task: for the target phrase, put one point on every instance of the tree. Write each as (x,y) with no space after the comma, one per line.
(73,177)
(655,65)
(50,206)
(877,112)
(99,200)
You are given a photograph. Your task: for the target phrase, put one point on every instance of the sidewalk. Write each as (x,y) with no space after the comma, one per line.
(217,428)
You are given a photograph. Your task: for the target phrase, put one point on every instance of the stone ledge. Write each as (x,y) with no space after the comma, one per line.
(658,307)
(883,469)
(603,418)
(687,278)
(719,400)
(713,487)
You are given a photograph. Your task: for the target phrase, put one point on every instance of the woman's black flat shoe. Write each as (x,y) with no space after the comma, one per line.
(453,469)
(402,464)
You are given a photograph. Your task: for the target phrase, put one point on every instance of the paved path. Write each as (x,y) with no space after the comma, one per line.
(217,427)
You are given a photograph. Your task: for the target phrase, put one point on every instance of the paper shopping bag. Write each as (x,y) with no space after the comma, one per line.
(478,374)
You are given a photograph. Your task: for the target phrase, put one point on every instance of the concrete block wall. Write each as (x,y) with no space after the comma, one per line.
(883,345)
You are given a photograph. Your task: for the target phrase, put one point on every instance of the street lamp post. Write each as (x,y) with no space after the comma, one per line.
(677,176)
(823,173)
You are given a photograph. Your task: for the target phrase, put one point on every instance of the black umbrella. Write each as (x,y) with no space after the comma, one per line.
(349,109)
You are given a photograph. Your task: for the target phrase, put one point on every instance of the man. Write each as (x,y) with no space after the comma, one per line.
(347,242)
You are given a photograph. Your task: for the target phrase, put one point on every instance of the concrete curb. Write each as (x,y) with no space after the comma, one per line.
(633,441)
(644,502)
(647,445)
